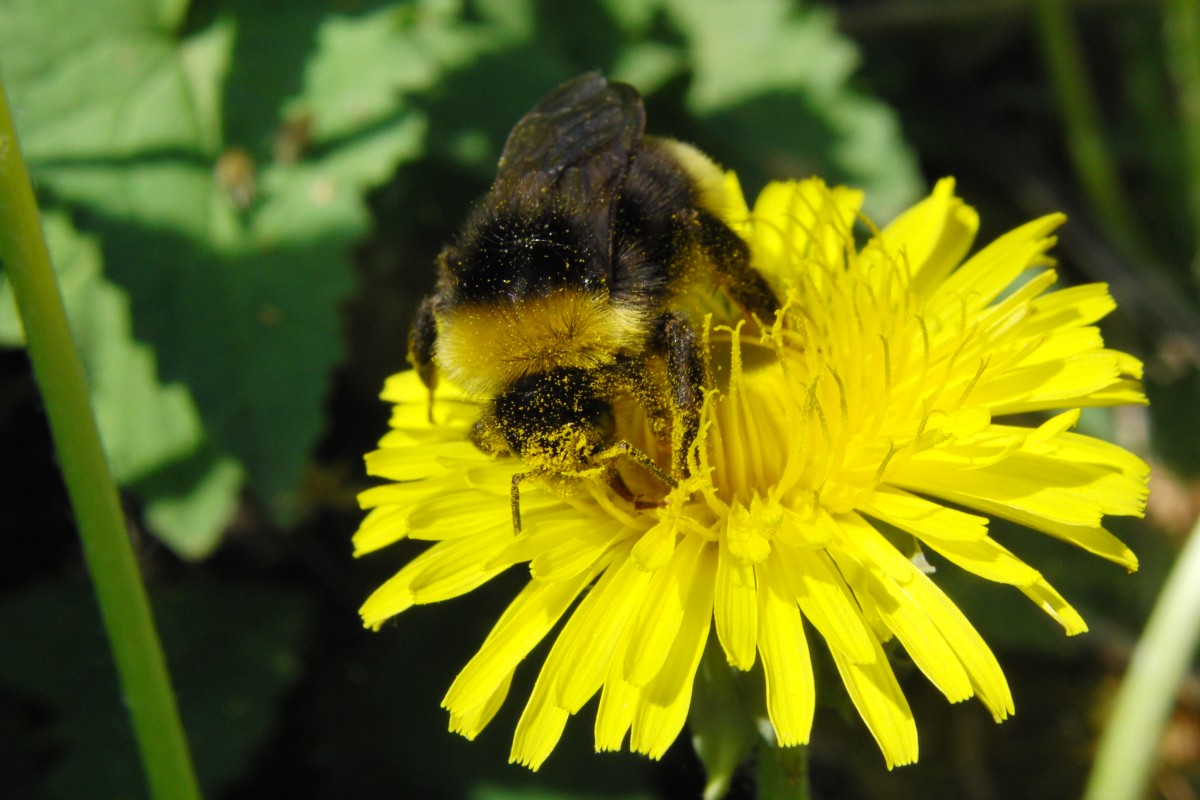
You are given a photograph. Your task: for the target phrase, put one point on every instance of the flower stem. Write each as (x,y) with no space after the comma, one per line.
(724,734)
(783,773)
(1130,742)
(1094,166)
(59,372)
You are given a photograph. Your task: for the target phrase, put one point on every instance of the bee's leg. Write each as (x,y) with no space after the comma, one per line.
(731,262)
(422,337)
(515,496)
(630,375)
(637,456)
(484,436)
(687,375)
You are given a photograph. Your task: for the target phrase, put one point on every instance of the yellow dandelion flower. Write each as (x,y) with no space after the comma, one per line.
(859,430)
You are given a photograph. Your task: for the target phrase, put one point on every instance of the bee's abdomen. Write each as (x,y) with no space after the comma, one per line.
(484,347)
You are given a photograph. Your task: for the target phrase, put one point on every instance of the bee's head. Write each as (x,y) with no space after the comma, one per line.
(556,421)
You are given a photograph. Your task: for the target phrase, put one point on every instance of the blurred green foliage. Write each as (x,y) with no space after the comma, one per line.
(228,680)
(243,201)
(222,155)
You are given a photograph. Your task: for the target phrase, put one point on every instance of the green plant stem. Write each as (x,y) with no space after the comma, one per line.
(789,766)
(723,728)
(1143,703)
(1094,166)
(119,589)
(1181,30)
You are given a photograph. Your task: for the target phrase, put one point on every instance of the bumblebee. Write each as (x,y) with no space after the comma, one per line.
(562,292)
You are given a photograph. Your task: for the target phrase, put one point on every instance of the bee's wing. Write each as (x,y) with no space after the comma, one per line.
(576,142)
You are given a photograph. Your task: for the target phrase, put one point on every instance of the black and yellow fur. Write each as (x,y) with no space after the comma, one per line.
(561,293)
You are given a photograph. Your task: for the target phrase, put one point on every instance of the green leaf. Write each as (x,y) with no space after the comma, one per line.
(365,66)
(243,312)
(649,65)
(228,678)
(188,504)
(145,425)
(772,82)
(235,278)
(109,79)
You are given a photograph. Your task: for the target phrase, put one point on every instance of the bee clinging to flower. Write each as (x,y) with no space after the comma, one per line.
(562,293)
